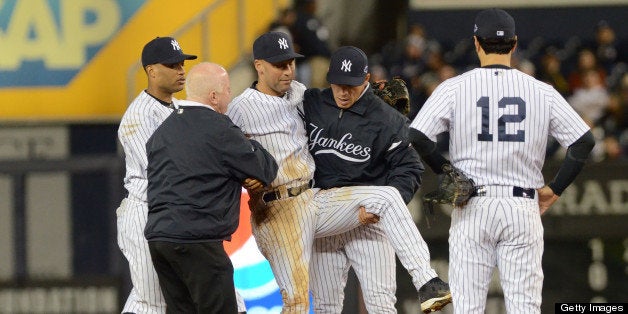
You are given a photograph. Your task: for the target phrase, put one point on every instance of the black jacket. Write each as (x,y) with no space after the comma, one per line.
(366,144)
(197,160)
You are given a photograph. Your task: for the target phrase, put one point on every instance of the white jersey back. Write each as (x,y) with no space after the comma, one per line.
(138,123)
(499,120)
(275,123)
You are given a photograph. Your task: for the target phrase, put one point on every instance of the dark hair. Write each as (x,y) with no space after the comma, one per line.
(499,46)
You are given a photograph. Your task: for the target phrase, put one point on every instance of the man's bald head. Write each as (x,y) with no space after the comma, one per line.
(208,83)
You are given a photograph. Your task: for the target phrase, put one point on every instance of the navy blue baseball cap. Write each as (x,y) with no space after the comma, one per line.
(494,24)
(274,47)
(165,50)
(348,66)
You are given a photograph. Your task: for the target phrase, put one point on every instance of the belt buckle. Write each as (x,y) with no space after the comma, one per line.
(273,193)
(522,192)
(480,190)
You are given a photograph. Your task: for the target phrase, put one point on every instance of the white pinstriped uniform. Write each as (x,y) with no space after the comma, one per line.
(499,121)
(286,239)
(138,123)
(369,252)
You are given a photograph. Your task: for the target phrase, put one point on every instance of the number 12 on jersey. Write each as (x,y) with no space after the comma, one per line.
(517,117)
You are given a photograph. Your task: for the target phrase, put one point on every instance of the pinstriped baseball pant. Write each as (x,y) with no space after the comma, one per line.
(287,238)
(145,296)
(489,232)
(369,252)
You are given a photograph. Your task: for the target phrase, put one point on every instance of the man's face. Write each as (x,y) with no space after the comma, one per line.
(275,78)
(170,78)
(346,95)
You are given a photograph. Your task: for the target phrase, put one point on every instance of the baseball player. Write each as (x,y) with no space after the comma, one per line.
(286,216)
(499,120)
(350,112)
(163,60)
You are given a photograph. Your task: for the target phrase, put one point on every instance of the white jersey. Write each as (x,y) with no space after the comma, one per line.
(275,123)
(138,123)
(501,119)
(140,120)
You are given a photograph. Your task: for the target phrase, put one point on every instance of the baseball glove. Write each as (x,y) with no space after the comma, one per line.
(395,93)
(455,188)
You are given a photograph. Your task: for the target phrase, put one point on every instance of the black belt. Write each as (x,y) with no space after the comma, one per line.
(290,192)
(516,192)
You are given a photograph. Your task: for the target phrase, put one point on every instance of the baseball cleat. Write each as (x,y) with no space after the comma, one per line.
(434,295)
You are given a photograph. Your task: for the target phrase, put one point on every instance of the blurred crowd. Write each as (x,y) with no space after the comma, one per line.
(591,74)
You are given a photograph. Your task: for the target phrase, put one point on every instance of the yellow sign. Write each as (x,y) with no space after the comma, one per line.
(80,59)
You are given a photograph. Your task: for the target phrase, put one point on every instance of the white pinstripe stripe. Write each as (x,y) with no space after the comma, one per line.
(375,269)
(337,212)
(138,123)
(146,296)
(502,232)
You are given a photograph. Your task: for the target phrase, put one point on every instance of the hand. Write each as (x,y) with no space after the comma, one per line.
(367,218)
(252,185)
(546,198)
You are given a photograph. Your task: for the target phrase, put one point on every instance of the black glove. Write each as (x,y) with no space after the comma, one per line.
(455,188)
(395,93)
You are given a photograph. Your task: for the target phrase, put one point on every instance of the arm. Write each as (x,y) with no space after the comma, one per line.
(576,156)
(405,167)
(247,158)
(428,151)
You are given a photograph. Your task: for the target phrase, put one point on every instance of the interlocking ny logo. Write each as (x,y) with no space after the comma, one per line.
(175,45)
(283,43)
(346,65)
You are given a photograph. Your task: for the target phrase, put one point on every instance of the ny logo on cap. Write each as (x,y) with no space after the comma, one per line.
(175,45)
(346,65)
(283,43)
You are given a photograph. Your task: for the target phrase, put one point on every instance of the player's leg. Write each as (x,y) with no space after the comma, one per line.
(373,260)
(471,254)
(145,296)
(338,213)
(329,269)
(519,256)
(286,240)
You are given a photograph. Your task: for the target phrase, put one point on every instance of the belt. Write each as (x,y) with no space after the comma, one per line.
(503,191)
(283,192)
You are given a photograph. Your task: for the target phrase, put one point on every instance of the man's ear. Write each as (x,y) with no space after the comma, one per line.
(258,65)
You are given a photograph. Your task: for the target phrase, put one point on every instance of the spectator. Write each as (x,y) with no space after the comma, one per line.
(605,46)
(550,73)
(586,61)
(591,99)
(616,122)
(310,39)
(284,22)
